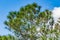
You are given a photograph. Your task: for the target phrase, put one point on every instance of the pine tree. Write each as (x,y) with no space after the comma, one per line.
(29,23)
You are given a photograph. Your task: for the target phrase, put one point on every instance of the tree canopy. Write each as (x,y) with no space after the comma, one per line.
(29,23)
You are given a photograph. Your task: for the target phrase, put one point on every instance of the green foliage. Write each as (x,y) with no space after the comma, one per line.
(9,37)
(30,23)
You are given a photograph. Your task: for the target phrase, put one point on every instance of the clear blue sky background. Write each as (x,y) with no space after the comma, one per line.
(13,5)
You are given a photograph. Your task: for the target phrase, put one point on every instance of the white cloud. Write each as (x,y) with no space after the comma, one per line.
(56,13)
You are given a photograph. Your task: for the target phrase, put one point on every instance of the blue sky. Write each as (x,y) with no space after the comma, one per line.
(14,5)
